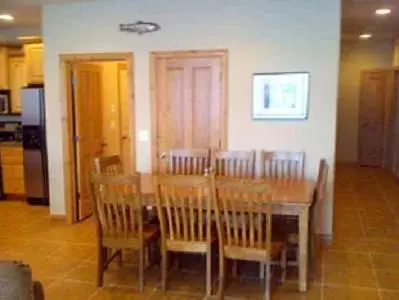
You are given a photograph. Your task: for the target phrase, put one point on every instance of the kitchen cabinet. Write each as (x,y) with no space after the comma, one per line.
(3,68)
(12,170)
(34,63)
(17,80)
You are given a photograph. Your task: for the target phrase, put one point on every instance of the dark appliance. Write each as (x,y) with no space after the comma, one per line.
(34,145)
(5,102)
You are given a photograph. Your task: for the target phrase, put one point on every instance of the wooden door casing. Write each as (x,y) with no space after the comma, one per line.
(395,121)
(189,95)
(125,115)
(88,120)
(372,118)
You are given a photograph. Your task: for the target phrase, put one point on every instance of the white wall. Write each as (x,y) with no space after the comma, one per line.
(356,56)
(261,36)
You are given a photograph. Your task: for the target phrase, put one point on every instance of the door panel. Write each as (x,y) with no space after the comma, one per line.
(371,119)
(189,97)
(17,78)
(88,120)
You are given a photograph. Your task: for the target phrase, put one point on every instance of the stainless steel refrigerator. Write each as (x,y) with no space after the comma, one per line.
(33,123)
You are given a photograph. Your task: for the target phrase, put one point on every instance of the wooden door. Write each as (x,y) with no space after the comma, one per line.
(372,118)
(88,120)
(189,96)
(125,113)
(17,80)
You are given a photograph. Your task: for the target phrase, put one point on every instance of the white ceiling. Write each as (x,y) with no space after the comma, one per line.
(357,17)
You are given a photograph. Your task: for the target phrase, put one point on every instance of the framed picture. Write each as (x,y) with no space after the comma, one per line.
(280,96)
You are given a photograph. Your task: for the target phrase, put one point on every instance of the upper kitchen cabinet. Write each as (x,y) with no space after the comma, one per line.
(34,63)
(17,80)
(3,68)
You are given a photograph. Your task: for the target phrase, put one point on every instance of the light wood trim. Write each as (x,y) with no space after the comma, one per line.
(65,67)
(131,107)
(154,56)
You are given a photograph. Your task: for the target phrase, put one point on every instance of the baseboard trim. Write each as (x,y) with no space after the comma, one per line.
(58,217)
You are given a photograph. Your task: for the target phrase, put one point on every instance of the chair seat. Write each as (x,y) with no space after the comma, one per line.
(252,253)
(131,240)
(191,245)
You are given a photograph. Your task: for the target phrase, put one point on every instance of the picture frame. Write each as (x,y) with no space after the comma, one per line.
(280,96)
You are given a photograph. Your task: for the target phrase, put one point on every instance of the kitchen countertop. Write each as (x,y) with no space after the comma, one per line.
(10,144)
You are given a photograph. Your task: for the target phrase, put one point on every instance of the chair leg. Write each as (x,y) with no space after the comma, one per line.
(119,260)
(267,281)
(261,270)
(164,267)
(141,268)
(100,265)
(283,264)
(222,271)
(208,273)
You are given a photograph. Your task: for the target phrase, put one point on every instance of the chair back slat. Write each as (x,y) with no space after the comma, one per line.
(236,164)
(186,161)
(108,165)
(186,203)
(239,200)
(282,165)
(118,205)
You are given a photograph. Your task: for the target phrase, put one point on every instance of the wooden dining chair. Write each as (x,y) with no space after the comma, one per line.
(118,208)
(235,164)
(108,165)
(282,165)
(185,161)
(319,196)
(235,199)
(186,203)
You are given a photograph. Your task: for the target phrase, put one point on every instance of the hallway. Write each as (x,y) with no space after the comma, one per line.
(365,252)
(361,264)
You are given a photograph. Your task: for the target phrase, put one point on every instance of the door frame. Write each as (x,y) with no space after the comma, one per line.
(154,57)
(65,67)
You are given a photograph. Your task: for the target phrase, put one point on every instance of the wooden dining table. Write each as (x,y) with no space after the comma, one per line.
(290,198)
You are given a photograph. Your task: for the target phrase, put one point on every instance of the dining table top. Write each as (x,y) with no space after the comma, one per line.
(287,192)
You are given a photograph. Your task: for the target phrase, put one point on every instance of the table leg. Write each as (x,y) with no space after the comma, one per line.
(303,248)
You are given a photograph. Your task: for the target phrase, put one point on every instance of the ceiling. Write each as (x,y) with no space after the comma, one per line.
(357,17)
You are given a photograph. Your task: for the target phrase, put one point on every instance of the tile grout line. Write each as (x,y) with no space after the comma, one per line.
(370,257)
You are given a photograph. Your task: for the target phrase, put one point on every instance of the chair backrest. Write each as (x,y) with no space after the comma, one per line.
(186,203)
(118,204)
(241,209)
(186,161)
(321,180)
(108,165)
(282,165)
(234,164)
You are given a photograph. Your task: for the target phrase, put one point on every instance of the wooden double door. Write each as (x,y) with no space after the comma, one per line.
(190,101)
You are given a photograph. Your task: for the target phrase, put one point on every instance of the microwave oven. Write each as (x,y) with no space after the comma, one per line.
(5,102)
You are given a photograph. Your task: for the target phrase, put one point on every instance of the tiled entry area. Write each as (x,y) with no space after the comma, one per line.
(362,263)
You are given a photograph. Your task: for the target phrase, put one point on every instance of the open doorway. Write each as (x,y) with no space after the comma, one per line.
(97,121)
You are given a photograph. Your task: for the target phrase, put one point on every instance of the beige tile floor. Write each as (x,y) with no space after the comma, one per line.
(361,263)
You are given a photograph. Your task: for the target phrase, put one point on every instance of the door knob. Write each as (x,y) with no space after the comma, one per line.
(123,137)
